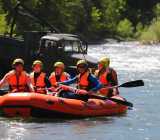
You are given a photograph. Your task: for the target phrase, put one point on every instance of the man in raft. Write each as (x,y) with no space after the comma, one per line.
(17,79)
(38,78)
(84,80)
(59,74)
(107,77)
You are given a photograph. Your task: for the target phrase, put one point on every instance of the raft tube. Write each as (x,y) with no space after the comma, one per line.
(40,105)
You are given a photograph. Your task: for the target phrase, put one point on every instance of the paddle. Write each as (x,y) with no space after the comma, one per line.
(130,84)
(85,93)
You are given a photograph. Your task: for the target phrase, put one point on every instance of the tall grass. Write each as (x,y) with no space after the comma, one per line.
(3,24)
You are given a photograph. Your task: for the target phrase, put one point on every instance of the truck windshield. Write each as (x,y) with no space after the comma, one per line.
(50,44)
(68,46)
(72,46)
(75,47)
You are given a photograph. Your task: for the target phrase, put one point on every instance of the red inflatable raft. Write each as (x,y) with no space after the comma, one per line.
(39,105)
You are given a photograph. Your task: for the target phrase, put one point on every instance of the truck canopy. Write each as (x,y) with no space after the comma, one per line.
(59,37)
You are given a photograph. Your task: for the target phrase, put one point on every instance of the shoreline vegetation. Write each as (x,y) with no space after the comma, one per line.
(96,20)
(151,35)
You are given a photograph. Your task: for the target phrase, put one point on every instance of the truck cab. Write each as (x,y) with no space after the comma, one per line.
(62,43)
(67,48)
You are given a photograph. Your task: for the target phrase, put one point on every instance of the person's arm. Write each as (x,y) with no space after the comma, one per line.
(94,81)
(47,82)
(68,82)
(115,79)
(112,77)
(3,81)
(68,76)
(29,83)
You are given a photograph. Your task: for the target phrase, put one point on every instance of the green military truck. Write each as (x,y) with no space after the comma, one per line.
(48,47)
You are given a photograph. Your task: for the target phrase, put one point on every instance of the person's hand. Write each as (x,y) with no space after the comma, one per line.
(91,92)
(81,92)
(63,87)
(52,89)
(57,84)
(51,93)
(15,90)
(115,92)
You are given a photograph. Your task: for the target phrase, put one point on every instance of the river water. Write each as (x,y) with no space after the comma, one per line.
(132,61)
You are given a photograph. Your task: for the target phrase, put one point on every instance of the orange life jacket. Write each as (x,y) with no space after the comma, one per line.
(102,76)
(83,82)
(17,83)
(53,81)
(39,84)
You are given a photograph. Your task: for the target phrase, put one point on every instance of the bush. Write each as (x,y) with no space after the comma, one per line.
(152,34)
(139,30)
(156,10)
(125,28)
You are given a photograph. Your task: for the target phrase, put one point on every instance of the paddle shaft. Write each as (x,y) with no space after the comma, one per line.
(123,102)
(102,97)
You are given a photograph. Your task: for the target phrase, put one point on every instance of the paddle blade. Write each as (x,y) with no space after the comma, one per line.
(126,103)
(136,83)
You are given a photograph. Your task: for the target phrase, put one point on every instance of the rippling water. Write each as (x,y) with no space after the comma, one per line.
(132,61)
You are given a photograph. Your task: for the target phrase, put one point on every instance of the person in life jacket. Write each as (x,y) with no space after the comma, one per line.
(38,78)
(59,75)
(84,80)
(107,76)
(17,79)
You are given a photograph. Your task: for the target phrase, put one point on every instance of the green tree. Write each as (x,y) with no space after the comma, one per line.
(156,10)
(91,18)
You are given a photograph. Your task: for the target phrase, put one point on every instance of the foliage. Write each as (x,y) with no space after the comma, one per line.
(152,34)
(156,10)
(3,24)
(139,29)
(125,28)
(93,19)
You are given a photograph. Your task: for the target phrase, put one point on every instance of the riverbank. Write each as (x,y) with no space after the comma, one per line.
(109,39)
